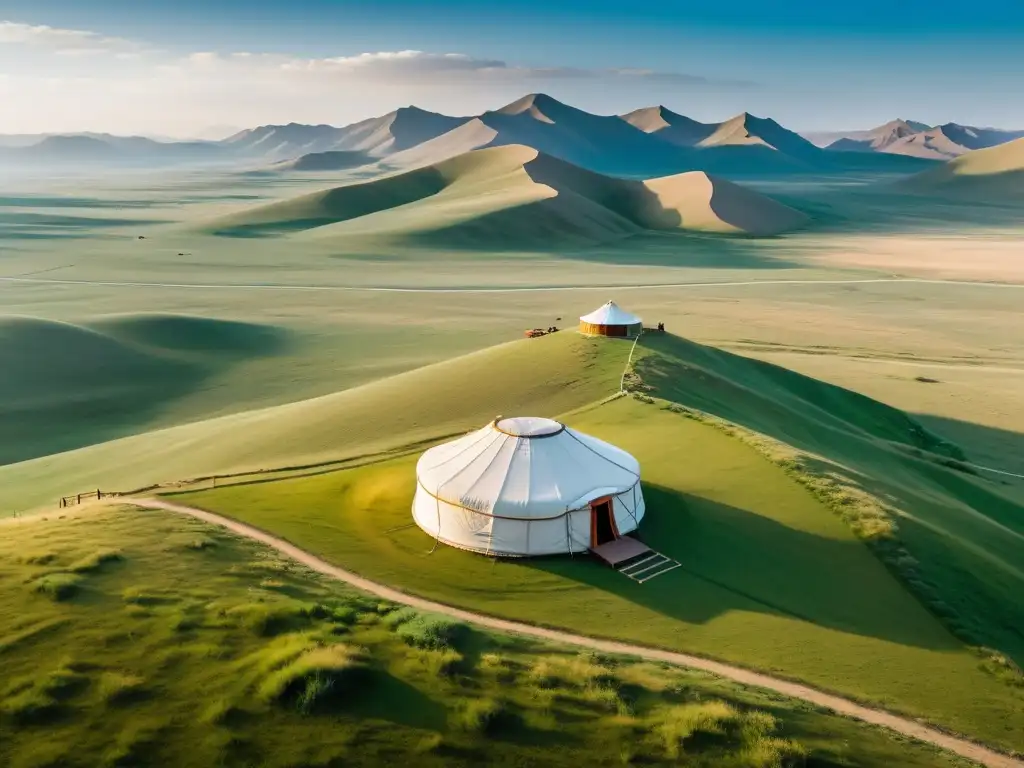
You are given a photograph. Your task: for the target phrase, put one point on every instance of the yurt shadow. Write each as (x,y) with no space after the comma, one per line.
(736,560)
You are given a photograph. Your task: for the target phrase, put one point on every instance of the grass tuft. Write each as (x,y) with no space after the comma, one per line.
(58,586)
(96,561)
(316,678)
(120,687)
(485,716)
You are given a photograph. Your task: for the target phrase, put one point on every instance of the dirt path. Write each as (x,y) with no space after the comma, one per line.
(842,706)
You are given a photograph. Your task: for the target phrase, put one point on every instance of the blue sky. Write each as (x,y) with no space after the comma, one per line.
(171,67)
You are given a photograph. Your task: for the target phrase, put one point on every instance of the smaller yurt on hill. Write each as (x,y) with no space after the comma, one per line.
(611,320)
(527,486)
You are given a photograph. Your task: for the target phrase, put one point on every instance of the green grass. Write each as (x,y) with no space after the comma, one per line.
(108,685)
(772,578)
(955,538)
(70,385)
(58,586)
(575,371)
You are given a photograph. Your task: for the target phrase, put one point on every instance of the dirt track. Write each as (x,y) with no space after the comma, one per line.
(837,704)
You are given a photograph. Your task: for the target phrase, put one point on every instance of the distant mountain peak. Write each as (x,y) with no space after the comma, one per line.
(531,101)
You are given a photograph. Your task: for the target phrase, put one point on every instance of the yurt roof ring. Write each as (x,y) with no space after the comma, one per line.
(527,427)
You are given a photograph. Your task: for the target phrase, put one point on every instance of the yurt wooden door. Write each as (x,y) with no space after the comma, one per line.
(602,522)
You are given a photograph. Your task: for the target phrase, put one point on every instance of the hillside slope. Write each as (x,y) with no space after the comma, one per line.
(68,385)
(545,376)
(670,126)
(332,160)
(965,534)
(375,137)
(994,175)
(515,196)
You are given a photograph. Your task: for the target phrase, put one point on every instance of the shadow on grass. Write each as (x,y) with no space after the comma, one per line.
(41,226)
(735,560)
(386,697)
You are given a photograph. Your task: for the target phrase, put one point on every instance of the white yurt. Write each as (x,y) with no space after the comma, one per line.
(527,486)
(611,320)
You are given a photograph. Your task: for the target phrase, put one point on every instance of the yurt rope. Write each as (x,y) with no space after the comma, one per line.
(632,512)
(610,461)
(568,536)
(437,541)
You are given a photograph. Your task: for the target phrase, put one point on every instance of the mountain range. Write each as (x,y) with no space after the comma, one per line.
(648,142)
(914,139)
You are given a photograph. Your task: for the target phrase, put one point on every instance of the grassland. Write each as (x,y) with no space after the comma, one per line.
(751,553)
(178,644)
(270,358)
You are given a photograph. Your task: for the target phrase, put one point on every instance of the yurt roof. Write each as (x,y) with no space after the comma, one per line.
(526,468)
(610,314)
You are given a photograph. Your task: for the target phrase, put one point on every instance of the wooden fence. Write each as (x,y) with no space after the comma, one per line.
(78,498)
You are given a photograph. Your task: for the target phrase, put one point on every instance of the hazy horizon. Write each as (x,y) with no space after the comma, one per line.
(178,72)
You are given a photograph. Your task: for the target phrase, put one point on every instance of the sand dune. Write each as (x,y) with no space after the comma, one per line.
(710,204)
(747,130)
(994,175)
(334,160)
(515,197)
(670,126)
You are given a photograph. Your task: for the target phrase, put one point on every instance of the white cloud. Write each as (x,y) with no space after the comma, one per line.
(63,41)
(87,80)
(404,66)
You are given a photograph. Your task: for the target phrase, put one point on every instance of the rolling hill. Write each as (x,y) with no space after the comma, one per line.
(105,149)
(66,385)
(333,160)
(515,196)
(808,600)
(993,175)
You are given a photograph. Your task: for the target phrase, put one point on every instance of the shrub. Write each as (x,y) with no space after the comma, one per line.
(58,586)
(426,630)
(395,619)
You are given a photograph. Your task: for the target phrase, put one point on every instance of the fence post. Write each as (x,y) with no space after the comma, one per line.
(79,499)
(98,494)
